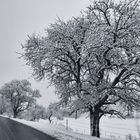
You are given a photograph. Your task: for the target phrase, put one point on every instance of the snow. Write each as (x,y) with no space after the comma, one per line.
(111,128)
(78,129)
(57,130)
(120,128)
(114,128)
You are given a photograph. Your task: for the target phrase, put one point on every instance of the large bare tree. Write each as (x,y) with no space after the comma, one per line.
(93,60)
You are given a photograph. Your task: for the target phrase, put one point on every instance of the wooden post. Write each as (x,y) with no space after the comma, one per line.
(66,124)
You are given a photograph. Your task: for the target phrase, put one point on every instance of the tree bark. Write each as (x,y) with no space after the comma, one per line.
(15,114)
(49,118)
(94,123)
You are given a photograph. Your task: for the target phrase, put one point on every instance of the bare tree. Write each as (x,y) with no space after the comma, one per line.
(93,60)
(4,105)
(20,95)
(36,112)
(54,110)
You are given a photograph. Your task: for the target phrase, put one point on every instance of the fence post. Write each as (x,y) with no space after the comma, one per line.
(66,124)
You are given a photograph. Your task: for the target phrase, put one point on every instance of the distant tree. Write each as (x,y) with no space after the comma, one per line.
(54,110)
(36,112)
(20,95)
(93,60)
(4,105)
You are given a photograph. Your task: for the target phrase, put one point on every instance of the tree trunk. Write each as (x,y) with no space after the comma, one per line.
(49,118)
(15,114)
(1,110)
(94,123)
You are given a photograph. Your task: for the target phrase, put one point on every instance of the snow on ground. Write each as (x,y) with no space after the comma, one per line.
(57,130)
(111,128)
(114,128)
(120,128)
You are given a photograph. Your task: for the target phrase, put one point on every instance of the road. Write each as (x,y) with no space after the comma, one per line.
(12,130)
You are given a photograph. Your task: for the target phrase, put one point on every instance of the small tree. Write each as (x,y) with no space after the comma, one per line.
(36,112)
(4,105)
(54,110)
(20,95)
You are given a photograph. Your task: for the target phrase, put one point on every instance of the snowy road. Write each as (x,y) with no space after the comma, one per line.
(11,130)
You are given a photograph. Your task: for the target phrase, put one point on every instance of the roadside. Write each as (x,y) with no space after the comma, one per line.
(13,130)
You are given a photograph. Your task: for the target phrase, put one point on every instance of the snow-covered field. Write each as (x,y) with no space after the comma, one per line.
(111,128)
(114,128)
(57,130)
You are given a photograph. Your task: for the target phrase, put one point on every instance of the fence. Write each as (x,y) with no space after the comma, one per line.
(106,130)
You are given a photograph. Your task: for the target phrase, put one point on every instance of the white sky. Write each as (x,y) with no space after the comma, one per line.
(19,18)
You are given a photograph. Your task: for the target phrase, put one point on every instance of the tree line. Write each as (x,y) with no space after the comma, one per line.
(19,100)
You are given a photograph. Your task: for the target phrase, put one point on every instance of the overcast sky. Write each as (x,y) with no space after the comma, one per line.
(19,18)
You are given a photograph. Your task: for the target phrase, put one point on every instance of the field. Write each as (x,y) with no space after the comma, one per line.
(78,129)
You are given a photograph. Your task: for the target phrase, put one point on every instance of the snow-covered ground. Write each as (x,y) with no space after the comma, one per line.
(114,128)
(111,128)
(57,130)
